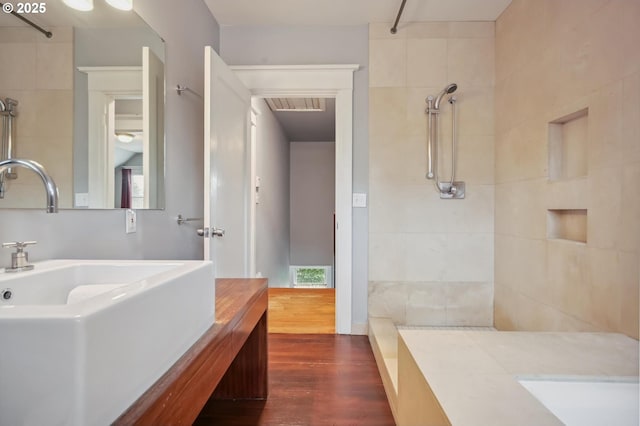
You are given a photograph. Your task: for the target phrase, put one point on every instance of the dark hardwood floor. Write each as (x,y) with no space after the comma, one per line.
(314,379)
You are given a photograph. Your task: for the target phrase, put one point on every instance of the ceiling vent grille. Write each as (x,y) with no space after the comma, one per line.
(296,104)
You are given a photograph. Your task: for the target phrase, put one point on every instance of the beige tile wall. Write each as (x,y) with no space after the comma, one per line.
(38,73)
(430,260)
(553,58)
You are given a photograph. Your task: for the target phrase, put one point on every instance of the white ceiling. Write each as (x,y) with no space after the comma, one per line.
(350,12)
(343,12)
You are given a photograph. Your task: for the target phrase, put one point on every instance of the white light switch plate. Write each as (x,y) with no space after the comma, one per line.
(359,199)
(130,221)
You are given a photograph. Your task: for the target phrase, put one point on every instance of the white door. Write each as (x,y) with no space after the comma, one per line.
(227,139)
(152,128)
(105,85)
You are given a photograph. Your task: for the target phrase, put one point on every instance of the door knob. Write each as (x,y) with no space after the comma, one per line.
(210,232)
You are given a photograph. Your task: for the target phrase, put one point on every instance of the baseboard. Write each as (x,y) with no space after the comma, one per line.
(359,329)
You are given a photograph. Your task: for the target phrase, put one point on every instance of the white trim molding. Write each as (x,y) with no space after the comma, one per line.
(360,329)
(330,81)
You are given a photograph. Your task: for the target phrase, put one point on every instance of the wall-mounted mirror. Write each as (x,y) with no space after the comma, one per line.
(88,104)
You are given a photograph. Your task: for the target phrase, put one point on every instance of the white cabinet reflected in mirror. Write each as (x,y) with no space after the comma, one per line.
(90,108)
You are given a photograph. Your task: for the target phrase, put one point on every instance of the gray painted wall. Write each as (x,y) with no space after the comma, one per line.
(313,173)
(253,45)
(272,212)
(100,233)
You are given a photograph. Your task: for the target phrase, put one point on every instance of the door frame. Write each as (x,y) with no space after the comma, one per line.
(328,81)
(105,85)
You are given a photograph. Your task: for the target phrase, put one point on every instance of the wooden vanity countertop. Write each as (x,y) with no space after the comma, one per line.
(179,395)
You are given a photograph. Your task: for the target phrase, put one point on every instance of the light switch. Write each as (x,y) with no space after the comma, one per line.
(130,221)
(359,199)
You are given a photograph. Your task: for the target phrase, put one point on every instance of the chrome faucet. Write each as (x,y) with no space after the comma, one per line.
(49,185)
(19,259)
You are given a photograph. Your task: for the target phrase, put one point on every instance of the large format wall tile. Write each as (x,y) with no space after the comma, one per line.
(554,59)
(431,260)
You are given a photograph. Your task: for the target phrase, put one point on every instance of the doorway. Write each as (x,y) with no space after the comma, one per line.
(328,81)
(295,211)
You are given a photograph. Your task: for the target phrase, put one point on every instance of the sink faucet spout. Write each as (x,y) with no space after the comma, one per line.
(49,185)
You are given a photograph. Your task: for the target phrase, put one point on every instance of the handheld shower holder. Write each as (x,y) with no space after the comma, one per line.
(452,192)
(449,189)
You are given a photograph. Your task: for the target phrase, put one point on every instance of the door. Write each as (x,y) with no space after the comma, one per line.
(227,140)
(152,128)
(105,85)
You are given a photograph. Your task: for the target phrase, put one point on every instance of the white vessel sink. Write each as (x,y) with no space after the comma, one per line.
(81,340)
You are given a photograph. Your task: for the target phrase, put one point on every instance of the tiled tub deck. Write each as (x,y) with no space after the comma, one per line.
(448,376)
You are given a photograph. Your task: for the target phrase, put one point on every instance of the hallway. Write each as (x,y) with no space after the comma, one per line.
(302,310)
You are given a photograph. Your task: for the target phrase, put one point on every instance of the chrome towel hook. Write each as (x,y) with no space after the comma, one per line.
(182,220)
(181,89)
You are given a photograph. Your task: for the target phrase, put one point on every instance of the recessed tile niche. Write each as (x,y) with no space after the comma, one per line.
(568,146)
(567,224)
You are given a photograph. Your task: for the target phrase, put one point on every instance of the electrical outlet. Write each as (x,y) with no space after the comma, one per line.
(82,199)
(130,221)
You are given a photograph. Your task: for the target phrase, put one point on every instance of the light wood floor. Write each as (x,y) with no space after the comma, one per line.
(302,310)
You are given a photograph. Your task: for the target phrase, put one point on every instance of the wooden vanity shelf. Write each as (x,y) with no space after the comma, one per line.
(228,362)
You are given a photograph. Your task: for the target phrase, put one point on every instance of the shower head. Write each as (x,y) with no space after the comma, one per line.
(447,90)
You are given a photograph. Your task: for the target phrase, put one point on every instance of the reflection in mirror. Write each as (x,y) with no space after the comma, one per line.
(90,107)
